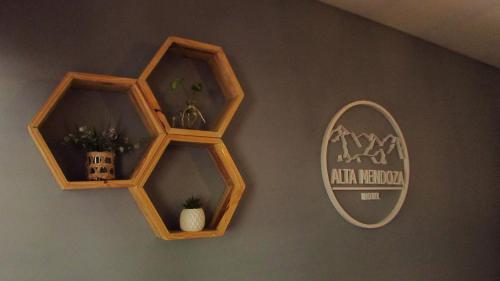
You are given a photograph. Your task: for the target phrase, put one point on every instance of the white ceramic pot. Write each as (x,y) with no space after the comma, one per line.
(192,219)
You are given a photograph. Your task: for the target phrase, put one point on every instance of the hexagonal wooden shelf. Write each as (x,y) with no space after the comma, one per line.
(235,187)
(220,67)
(148,108)
(108,84)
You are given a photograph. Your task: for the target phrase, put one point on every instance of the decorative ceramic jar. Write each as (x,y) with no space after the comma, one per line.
(192,219)
(100,165)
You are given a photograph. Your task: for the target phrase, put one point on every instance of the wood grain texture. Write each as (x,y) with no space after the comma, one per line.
(148,210)
(47,155)
(224,75)
(105,83)
(227,205)
(156,122)
(53,99)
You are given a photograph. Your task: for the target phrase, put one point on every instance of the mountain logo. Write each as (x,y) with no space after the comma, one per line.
(368,146)
(359,166)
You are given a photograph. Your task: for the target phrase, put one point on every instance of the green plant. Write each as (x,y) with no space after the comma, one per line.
(191,114)
(87,138)
(192,203)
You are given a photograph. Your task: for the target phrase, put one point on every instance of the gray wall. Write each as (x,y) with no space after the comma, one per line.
(298,62)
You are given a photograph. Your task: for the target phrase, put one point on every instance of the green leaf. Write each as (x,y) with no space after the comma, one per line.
(192,203)
(176,83)
(197,87)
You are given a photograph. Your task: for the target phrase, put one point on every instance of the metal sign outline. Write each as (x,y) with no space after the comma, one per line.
(324,165)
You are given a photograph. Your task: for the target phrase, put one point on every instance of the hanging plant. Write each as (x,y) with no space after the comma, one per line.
(190,117)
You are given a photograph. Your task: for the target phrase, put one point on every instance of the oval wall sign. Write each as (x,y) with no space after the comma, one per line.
(365,165)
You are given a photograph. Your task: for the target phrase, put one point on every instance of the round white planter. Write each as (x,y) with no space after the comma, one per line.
(192,219)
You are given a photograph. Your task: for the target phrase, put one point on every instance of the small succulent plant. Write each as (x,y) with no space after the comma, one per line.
(191,115)
(89,139)
(192,203)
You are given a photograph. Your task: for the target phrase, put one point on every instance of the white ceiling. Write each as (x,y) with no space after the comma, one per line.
(469,27)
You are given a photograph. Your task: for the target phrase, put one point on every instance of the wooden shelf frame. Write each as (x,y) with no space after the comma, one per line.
(162,134)
(100,83)
(223,73)
(235,187)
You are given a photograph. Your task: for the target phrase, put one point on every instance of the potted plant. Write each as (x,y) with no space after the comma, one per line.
(101,149)
(192,216)
(190,117)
